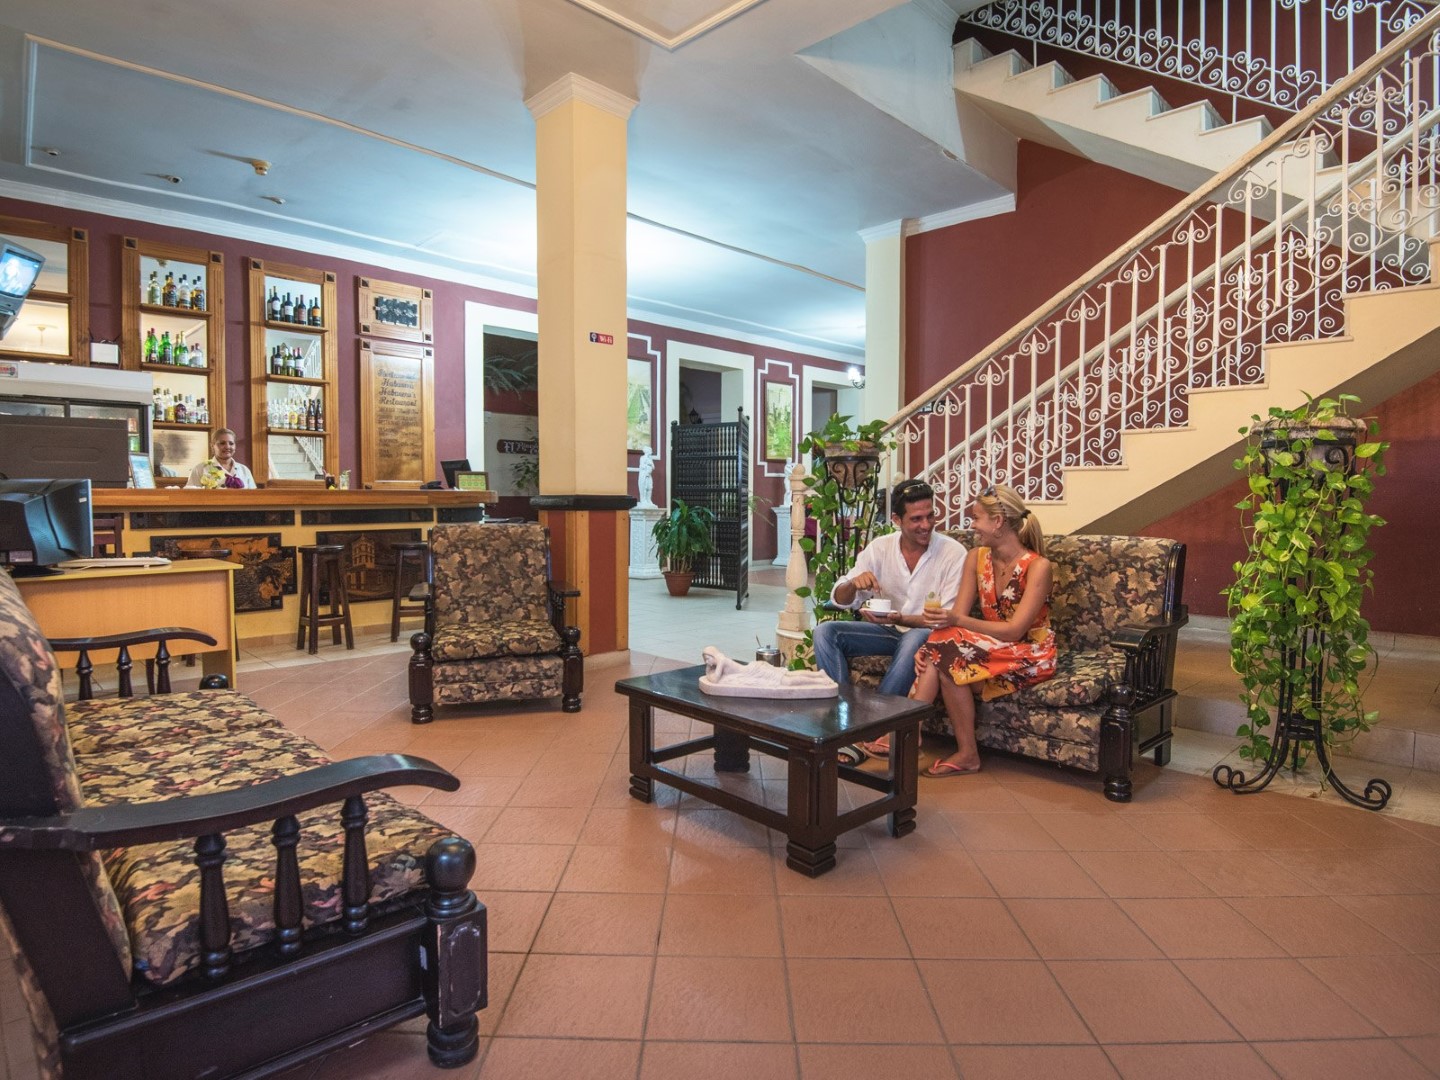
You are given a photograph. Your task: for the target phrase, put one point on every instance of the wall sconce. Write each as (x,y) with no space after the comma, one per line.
(857,378)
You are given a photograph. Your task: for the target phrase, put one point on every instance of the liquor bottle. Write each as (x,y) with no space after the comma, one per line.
(169,407)
(319,416)
(298,315)
(157,407)
(197,294)
(167,297)
(181,412)
(315,319)
(182,292)
(274,313)
(179,351)
(162,355)
(287,310)
(151,344)
(197,355)
(152,290)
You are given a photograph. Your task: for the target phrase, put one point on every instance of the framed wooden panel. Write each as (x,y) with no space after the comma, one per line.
(54,325)
(397,414)
(391,310)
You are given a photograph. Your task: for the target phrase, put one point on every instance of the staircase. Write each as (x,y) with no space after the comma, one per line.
(1307,265)
(289,459)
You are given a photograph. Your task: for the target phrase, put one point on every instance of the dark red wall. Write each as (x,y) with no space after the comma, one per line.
(969,283)
(1406,599)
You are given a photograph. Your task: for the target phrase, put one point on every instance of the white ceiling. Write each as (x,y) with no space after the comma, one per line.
(400,130)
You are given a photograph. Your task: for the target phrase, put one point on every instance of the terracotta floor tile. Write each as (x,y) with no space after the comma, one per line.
(975,793)
(999,831)
(719,998)
(617,869)
(840,926)
(1187,832)
(1315,926)
(1426,1051)
(546,1059)
(1093,929)
(600,997)
(723,869)
(921,867)
(1275,999)
(958,928)
(1035,874)
(1337,1059)
(1185,1061)
(390,1055)
(518,866)
(478,791)
(1001,1001)
(639,825)
(719,925)
(1279,831)
(537,825)
(1420,867)
(840,1001)
(1414,921)
(1199,928)
(1028,1062)
(514,917)
(1341,871)
(713,827)
(1257,874)
(556,791)
(1399,994)
(1139,873)
(1362,829)
(504,974)
(1139,1001)
(716,1061)
(1096,831)
(842,1062)
(605,923)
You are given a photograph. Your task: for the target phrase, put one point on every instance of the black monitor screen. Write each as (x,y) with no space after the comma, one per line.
(43,522)
(59,447)
(18,270)
(450,468)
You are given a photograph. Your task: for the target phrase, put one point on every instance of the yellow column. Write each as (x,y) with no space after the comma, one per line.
(580,210)
(885,389)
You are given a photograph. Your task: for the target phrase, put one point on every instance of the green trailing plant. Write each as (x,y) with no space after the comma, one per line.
(846,517)
(683,535)
(1296,628)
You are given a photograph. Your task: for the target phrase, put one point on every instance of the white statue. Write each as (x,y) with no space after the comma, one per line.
(730,678)
(647,479)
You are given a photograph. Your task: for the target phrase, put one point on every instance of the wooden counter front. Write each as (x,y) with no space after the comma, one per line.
(261,526)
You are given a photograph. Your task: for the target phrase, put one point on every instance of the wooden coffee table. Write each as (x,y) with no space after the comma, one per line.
(804,732)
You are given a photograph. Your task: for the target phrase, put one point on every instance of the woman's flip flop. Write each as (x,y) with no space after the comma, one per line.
(942,769)
(879,748)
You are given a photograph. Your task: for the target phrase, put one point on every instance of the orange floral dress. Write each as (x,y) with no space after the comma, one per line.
(968,656)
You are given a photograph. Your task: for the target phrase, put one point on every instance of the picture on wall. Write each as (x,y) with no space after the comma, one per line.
(369,562)
(779,421)
(639,432)
(389,309)
(267,567)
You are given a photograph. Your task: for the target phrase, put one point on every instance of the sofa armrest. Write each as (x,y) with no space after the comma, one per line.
(84,669)
(1149,651)
(92,828)
(557,593)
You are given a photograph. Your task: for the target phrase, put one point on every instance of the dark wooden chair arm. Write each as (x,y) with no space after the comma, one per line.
(562,588)
(1131,637)
(122,824)
(1149,650)
(136,637)
(160,673)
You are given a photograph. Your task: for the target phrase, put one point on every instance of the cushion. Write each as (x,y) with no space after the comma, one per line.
(108,723)
(509,637)
(486,572)
(501,678)
(1080,679)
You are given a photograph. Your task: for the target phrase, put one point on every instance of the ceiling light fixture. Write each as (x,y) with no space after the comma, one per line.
(50,151)
(856,377)
(261,167)
(278,200)
(170,178)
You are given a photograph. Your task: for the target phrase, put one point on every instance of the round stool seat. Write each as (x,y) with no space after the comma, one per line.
(203,553)
(322,549)
(317,560)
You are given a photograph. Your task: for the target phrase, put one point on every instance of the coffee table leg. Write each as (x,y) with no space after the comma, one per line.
(642,747)
(732,751)
(811,812)
(904,776)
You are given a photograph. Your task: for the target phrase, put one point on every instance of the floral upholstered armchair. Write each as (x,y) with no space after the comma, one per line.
(494,622)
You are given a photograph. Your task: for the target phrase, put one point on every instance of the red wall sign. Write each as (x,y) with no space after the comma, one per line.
(602,339)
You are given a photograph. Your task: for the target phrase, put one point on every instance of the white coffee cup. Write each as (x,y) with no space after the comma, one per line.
(878,605)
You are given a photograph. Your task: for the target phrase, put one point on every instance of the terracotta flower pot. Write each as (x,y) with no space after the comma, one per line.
(678,581)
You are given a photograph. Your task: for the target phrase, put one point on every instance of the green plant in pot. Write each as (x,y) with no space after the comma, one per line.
(682,536)
(1297,638)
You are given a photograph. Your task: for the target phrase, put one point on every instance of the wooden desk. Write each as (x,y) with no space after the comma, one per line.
(87,603)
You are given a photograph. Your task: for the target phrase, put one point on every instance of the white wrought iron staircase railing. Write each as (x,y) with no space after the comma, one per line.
(1283,54)
(1342,199)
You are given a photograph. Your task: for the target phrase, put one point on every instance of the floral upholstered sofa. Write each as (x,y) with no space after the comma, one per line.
(1116,610)
(494,622)
(193,890)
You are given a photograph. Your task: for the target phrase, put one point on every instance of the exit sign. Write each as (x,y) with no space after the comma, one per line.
(602,339)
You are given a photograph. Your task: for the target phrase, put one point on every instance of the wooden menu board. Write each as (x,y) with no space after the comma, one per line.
(397,414)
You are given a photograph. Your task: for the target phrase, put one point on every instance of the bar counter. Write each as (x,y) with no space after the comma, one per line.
(263,527)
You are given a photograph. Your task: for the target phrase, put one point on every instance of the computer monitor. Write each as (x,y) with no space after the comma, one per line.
(450,468)
(43,522)
(19,267)
(57,447)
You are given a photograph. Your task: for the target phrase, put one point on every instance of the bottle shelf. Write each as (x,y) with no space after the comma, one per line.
(175,425)
(175,369)
(297,431)
(287,327)
(298,380)
(175,312)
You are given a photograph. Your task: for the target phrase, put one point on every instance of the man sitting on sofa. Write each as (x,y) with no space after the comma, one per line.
(907,568)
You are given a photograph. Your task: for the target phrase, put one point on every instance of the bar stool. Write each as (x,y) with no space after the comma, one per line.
(406,552)
(317,559)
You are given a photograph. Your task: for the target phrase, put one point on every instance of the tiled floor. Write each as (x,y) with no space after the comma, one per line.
(1027,928)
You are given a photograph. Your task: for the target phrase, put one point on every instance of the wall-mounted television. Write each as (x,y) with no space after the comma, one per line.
(58,447)
(43,522)
(19,267)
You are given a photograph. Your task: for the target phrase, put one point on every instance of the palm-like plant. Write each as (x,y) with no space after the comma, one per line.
(682,535)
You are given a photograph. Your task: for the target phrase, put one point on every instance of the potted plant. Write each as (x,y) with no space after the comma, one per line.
(681,536)
(1297,638)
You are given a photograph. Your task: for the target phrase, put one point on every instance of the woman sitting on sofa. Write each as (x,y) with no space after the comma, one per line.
(1011,645)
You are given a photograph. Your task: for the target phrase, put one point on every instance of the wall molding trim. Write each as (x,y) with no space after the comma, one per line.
(572,87)
(1001,204)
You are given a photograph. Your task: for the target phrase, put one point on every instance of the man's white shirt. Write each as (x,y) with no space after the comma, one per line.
(938,571)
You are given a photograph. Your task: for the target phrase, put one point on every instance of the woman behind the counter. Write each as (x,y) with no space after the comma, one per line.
(222,470)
